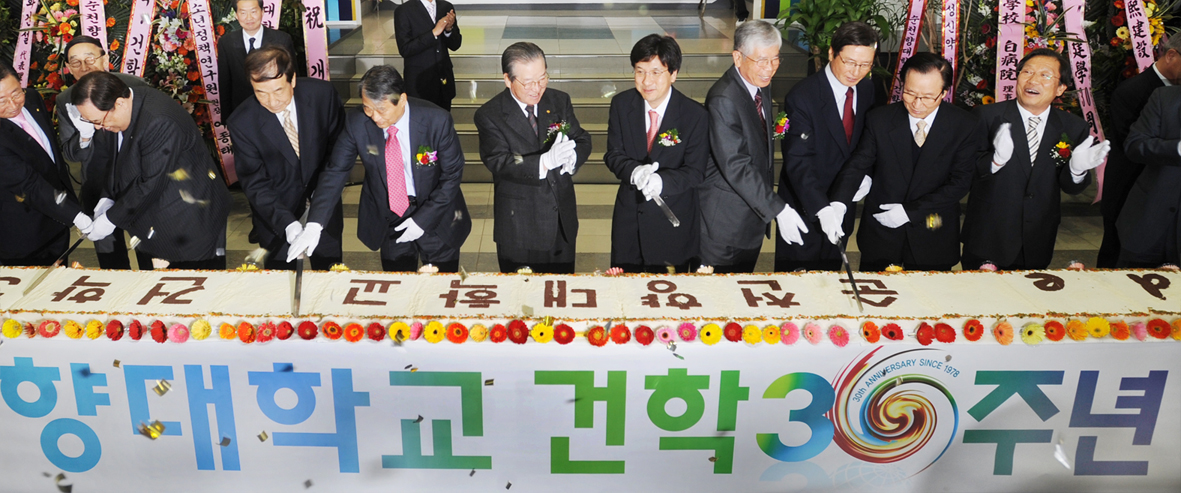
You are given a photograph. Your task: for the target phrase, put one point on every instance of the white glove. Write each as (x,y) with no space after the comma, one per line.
(101,228)
(85,129)
(641,173)
(413,232)
(1088,155)
(1002,145)
(892,216)
(104,205)
(791,225)
(653,187)
(293,231)
(862,190)
(83,222)
(571,161)
(831,219)
(306,242)
(556,155)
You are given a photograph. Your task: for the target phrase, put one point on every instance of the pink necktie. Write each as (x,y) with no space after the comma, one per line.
(395,178)
(652,127)
(25,124)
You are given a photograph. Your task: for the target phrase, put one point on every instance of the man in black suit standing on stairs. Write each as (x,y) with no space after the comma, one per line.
(426,33)
(283,137)
(657,145)
(1150,224)
(532,143)
(233,83)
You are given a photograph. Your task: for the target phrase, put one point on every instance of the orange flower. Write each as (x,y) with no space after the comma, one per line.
(110,22)
(115,44)
(1003,332)
(221,30)
(182,51)
(227,331)
(1055,331)
(193,76)
(246,332)
(1120,331)
(457,333)
(52,56)
(870,332)
(64,28)
(1076,330)
(72,3)
(353,332)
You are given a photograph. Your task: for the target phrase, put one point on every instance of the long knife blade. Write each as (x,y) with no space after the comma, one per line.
(295,297)
(672,218)
(56,263)
(849,272)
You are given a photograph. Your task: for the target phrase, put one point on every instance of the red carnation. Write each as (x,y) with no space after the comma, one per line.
(944,333)
(518,332)
(114,330)
(376,331)
(620,334)
(498,333)
(353,332)
(983,84)
(1064,152)
(246,332)
(733,332)
(284,330)
(597,336)
(266,331)
(159,332)
(1159,329)
(308,330)
(892,332)
(136,330)
(973,330)
(49,328)
(925,334)
(644,335)
(1118,19)
(563,334)
(331,330)
(457,333)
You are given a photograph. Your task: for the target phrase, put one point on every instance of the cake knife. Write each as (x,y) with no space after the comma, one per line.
(849,272)
(56,263)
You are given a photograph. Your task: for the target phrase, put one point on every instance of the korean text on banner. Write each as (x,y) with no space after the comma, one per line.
(94,19)
(270,13)
(1010,48)
(139,33)
(910,42)
(951,39)
(1080,68)
(201,25)
(24,42)
(1140,32)
(315,37)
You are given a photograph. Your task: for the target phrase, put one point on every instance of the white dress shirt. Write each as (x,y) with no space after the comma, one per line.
(44,144)
(1041,131)
(659,109)
(257,37)
(839,90)
(432,10)
(930,119)
(403,126)
(1162,76)
(295,117)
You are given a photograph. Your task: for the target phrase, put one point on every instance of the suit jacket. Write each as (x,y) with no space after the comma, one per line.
(68,134)
(931,183)
(167,190)
(737,199)
(233,83)
(639,231)
(276,181)
(30,182)
(426,59)
(440,208)
(1155,198)
(1019,205)
(1120,174)
(529,209)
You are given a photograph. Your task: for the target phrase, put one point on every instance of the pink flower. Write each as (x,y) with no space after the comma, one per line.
(789,333)
(415,331)
(990,267)
(178,333)
(838,335)
(1140,330)
(687,332)
(665,335)
(1051,7)
(812,333)
(614,271)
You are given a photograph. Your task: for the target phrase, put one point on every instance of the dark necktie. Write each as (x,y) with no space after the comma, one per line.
(251,47)
(532,118)
(848,119)
(759,107)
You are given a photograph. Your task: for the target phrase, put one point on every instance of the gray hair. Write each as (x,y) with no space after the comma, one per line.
(754,34)
(519,52)
(1173,43)
(381,82)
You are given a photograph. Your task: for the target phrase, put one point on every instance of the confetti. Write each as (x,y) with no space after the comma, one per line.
(212,175)
(76,265)
(412,370)
(548,321)
(419,420)
(117,364)
(151,232)
(179,175)
(1,342)
(59,198)
(489,382)
(47,475)
(679,356)
(262,437)
(307,484)
(287,368)
(713,459)
(162,387)
(408,367)
(671,269)
(948,358)
(152,431)
(84,371)
(225,442)
(133,243)
(470,474)
(509,485)
(1060,454)
(190,199)
(527,310)
(64,488)
(672,346)
(572,401)
(462,274)
(525,270)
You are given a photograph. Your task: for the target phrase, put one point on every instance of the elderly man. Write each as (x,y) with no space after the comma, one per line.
(737,199)
(37,203)
(1014,206)
(533,144)
(920,155)
(1149,225)
(411,206)
(233,82)
(84,55)
(283,137)
(164,187)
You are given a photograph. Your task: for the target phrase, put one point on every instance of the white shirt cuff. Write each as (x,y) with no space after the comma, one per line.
(1077,178)
(541,171)
(996,168)
(84,143)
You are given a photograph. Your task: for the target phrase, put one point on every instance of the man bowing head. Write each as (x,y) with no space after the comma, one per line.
(411,206)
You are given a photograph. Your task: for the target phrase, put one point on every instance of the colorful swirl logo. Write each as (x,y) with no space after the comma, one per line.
(896,418)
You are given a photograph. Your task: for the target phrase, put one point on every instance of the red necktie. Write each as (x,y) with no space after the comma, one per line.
(848,119)
(395,178)
(759,107)
(19,119)
(652,127)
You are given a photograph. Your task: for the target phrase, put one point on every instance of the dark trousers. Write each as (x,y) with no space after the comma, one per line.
(430,248)
(817,253)
(907,262)
(1164,252)
(557,259)
(117,258)
(35,260)
(742,261)
(215,263)
(1109,250)
(972,262)
(315,262)
(685,268)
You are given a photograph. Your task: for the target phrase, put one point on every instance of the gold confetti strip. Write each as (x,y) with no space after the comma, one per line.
(212,175)
(527,310)
(152,431)
(671,269)
(548,321)
(262,437)
(412,370)
(162,387)
(190,199)
(525,270)
(713,459)
(419,420)
(179,175)
(117,364)
(64,488)
(489,382)
(225,442)
(462,274)
(948,358)
(76,265)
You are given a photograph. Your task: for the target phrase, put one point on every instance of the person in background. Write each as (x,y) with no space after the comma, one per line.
(426,33)
(1149,224)
(233,83)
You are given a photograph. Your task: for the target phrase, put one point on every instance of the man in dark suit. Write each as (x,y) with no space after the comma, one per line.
(825,113)
(533,158)
(426,33)
(1120,173)
(1014,206)
(37,202)
(920,154)
(737,199)
(658,145)
(1149,225)
(84,55)
(411,206)
(283,137)
(164,187)
(233,83)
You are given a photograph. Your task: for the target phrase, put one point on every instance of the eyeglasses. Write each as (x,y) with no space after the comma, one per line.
(101,123)
(535,84)
(853,65)
(1046,76)
(762,62)
(17,97)
(654,73)
(89,61)
(924,100)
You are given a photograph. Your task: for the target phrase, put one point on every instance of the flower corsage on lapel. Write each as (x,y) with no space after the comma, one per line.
(555,128)
(669,138)
(781,125)
(1062,150)
(426,156)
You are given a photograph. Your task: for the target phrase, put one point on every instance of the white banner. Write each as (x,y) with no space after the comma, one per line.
(94,19)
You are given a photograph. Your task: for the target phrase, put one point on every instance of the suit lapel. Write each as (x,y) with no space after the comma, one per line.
(634,119)
(1050,138)
(864,90)
(275,132)
(377,141)
(933,148)
(515,119)
(1020,155)
(418,128)
(547,114)
(832,117)
(901,137)
(423,11)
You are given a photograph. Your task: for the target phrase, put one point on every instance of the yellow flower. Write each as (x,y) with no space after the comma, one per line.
(478,333)
(200,330)
(1076,330)
(987,100)
(434,332)
(710,334)
(1033,334)
(542,333)
(399,332)
(227,331)
(1149,8)
(1176,330)
(1122,32)
(1098,327)
(94,329)
(73,329)
(771,334)
(13,329)
(751,334)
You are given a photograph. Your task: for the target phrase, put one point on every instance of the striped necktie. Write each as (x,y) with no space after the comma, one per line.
(291,131)
(1031,137)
